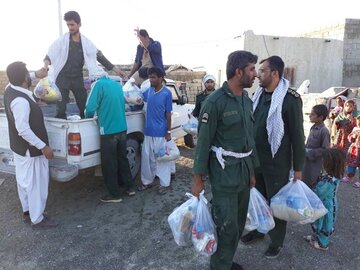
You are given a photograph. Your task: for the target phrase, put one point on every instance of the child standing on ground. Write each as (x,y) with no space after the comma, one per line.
(317,141)
(353,154)
(344,124)
(326,189)
(340,100)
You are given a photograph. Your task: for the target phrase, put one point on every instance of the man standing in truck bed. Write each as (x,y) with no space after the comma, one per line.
(67,55)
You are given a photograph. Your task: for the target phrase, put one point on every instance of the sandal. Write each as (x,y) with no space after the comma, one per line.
(145,187)
(346,179)
(162,190)
(316,245)
(309,238)
(356,185)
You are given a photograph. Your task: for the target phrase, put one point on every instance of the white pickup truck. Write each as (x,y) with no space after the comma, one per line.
(76,143)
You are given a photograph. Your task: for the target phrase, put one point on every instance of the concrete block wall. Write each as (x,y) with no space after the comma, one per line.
(3,82)
(351,53)
(329,32)
(192,79)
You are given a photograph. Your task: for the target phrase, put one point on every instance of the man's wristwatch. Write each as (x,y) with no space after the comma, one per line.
(168,132)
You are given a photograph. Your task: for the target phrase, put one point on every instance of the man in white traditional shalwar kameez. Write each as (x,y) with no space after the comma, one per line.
(30,146)
(157,131)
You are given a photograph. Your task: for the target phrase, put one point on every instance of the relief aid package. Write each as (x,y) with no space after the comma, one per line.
(297,202)
(132,93)
(47,90)
(204,237)
(169,152)
(182,219)
(259,216)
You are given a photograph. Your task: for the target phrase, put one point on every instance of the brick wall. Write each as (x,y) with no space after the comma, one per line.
(192,79)
(3,81)
(351,54)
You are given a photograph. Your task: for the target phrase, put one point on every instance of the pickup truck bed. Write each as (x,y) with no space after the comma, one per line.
(76,143)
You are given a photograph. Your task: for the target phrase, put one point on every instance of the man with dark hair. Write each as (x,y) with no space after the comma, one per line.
(106,99)
(209,83)
(279,138)
(157,131)
(148,54)
(67,55)
(30,146)
(226,152)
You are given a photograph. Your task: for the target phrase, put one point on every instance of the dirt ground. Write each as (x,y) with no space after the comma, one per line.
(134,234)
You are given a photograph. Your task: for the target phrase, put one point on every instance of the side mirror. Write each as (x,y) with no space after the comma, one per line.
(183,100)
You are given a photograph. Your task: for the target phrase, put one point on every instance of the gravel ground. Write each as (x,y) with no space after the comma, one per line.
(134,234)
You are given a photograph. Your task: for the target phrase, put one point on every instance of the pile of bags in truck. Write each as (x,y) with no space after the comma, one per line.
(133,96)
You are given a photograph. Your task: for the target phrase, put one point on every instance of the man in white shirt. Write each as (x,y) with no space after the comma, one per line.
(30,146)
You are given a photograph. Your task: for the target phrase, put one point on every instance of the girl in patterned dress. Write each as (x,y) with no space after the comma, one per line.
(326,189)
(344,124)
(353,155)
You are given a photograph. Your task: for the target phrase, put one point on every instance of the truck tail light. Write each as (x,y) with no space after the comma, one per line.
(74,144)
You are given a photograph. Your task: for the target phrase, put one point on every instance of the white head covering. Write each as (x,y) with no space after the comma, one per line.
(342,97)
(208,77)
(96,72)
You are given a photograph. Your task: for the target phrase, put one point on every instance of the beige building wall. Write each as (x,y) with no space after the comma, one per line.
(330,32)
(314,59)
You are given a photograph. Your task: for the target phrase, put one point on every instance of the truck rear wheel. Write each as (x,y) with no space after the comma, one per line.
(134,156)
(189,140)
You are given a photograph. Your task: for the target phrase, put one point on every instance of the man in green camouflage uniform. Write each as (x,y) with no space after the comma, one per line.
(226,123)
(279,138)
(209,83)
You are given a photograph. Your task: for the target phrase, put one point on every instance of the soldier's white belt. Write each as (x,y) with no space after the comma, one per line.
(220,152)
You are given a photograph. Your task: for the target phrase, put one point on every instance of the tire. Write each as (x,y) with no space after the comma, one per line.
(189,140)
(133,156)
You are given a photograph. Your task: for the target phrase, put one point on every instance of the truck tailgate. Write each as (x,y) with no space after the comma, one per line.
(57,133)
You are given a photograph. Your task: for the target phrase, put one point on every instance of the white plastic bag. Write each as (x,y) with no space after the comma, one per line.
(259,215)
(132,93)
(145,85)
(297,202)
(182,219)
(169,152)
(204,236)
(47,90)
(191,126)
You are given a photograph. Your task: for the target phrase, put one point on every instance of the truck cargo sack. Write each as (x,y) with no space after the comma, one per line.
(191,126)
(132,93)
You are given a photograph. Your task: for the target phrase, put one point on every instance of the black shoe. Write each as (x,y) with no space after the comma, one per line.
(26,217)
(173,176)
(109,198)
(236,266)
(251,237)
(272,252)
(46,223)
